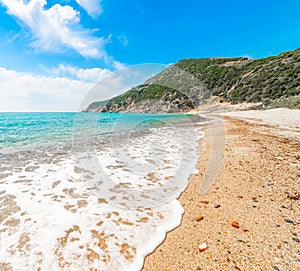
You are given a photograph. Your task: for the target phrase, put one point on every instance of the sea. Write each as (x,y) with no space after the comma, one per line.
(91,191)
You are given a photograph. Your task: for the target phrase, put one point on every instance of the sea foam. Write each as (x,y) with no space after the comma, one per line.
(55,217)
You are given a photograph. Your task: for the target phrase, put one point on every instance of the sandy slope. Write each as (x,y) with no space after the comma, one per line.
(282,121)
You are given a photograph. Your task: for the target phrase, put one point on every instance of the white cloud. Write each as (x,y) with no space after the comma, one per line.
(21,91)
(93,75)
(92,7)
(58,27)
(27,92)
(120,81)
(123,39)
(114,63)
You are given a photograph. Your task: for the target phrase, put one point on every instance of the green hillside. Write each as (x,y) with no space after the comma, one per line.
(191,83)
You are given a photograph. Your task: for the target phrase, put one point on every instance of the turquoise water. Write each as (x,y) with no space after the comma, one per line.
(68,176)
(25,130)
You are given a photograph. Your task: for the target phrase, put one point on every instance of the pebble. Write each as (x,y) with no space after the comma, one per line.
(199,218)
(296,239)
(275,268)
(235,224)
(202,247)
(287,207)
(288,220)
(239,239)
(217,205)
(198,268)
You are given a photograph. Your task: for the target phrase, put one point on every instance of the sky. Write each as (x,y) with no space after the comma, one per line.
(52,53)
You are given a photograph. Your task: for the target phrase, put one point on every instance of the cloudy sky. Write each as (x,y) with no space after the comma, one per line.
(53,52)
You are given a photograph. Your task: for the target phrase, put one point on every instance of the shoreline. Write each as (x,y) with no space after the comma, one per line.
(255,187)
(37,191)
(252,154)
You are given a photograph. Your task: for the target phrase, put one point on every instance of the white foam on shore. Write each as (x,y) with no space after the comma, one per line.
(52,220)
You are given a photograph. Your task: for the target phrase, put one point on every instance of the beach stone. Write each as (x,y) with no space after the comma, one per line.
(216,205)
(235,224)
(275,267)
(288,220)
(296,239)
(202,247)
(294,197)
(199,218)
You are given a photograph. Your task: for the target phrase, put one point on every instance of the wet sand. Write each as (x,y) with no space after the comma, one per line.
(258,186)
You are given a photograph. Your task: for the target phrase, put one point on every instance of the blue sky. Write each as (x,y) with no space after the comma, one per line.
(72,44)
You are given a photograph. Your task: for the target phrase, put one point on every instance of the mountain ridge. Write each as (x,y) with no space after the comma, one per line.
(197,83)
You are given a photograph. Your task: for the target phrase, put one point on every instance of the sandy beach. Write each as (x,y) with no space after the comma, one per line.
(258,187)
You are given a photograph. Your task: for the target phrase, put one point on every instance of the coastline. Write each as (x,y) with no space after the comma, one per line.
(255,187)
(40,186)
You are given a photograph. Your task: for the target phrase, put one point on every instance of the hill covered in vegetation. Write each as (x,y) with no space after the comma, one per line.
(193,83)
